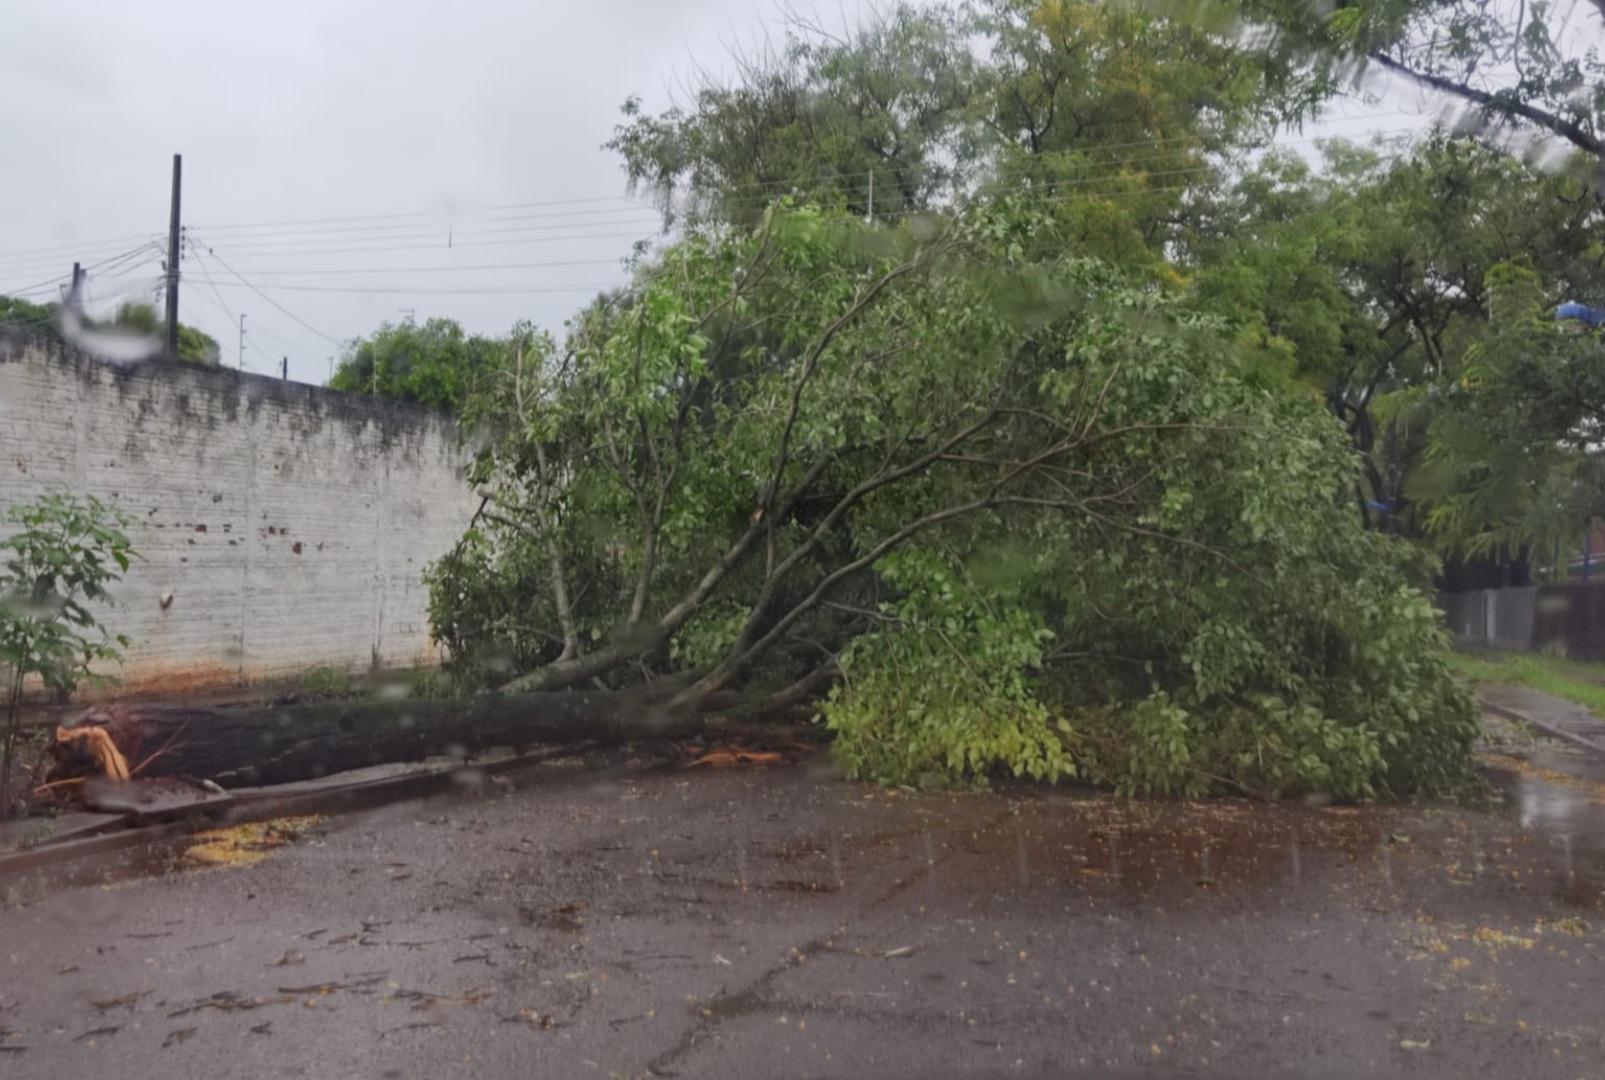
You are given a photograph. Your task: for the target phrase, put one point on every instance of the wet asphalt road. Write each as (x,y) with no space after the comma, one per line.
(623,919)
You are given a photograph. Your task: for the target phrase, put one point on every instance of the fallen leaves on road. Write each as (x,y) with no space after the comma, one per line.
(1498,939)
(123,1001)
(241,845)
(95,1033)
(1592,788)
(539,1021)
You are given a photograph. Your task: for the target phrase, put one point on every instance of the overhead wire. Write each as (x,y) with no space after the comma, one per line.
(295,253)
(757,186)
(68,250)
(192,250)
(600,206)
(476,267)
(443,238)
(431,290)
(445,221)
(312,237)
(225,264)
(272,249)
(51,282)
(422,289)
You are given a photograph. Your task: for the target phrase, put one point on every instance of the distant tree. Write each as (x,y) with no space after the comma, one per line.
(1369,277)
(194,346)
(15,311)
(435,363)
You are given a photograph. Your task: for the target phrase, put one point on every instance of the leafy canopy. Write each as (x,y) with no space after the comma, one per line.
(435,364)
(1039,514)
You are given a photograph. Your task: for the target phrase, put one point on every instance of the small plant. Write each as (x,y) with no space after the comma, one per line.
(64,555)
(335,682)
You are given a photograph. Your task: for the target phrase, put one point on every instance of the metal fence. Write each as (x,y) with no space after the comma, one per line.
(1565,619)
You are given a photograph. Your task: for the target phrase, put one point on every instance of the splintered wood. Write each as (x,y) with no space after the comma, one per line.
(98,745)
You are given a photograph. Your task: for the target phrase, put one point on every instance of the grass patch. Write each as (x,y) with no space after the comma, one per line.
(1575,681)
(327,680)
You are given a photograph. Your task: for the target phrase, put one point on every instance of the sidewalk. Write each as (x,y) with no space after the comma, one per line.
(1556,716)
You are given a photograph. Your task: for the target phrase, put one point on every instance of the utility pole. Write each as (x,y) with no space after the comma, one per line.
(284,369)
(242,341)
(172,261)
(75,296)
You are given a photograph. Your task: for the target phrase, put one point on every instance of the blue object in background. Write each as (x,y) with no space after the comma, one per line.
(1571,309)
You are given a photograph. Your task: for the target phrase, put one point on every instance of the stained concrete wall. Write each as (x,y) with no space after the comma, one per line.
(280,526)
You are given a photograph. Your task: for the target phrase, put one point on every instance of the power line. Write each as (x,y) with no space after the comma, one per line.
(222,305)
(443,238)
(604,205)
(408,214)
(52,282)
(239,361)
(68,250)
(269,299)
(261,247)
(436,223)
(448,290)
(446,269)
(297,253)
(762,185)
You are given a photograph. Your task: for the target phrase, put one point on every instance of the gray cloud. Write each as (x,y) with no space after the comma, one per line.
(311,109)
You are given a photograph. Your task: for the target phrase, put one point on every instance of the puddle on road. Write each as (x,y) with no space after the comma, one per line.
(1541,833)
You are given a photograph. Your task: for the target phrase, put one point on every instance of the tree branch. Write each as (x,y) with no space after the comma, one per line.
(1569,130)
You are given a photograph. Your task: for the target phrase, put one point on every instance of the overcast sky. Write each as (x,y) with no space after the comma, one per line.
(455,117)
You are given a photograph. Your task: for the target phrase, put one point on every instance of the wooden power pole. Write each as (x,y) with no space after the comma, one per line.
(172,261)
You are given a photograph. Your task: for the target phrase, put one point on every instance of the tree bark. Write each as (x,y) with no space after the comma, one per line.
(284,744)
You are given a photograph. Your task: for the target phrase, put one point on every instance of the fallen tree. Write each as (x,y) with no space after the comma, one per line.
(1000,508)
(282,744)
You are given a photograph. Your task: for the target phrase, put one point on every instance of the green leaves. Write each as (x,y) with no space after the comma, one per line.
(1085,536)
(64,551)
(434,364)
(942,691)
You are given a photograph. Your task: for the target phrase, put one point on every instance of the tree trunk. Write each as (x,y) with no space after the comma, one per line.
(276,745)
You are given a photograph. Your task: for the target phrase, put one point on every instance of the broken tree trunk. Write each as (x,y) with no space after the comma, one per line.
(282,744)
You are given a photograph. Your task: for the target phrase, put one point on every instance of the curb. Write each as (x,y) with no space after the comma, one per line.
(138,828)
(1548,729)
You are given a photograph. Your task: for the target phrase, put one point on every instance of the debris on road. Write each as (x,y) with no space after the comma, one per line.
(241,845)
(722,755)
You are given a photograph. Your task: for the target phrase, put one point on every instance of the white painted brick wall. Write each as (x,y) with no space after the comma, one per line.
(290,523)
